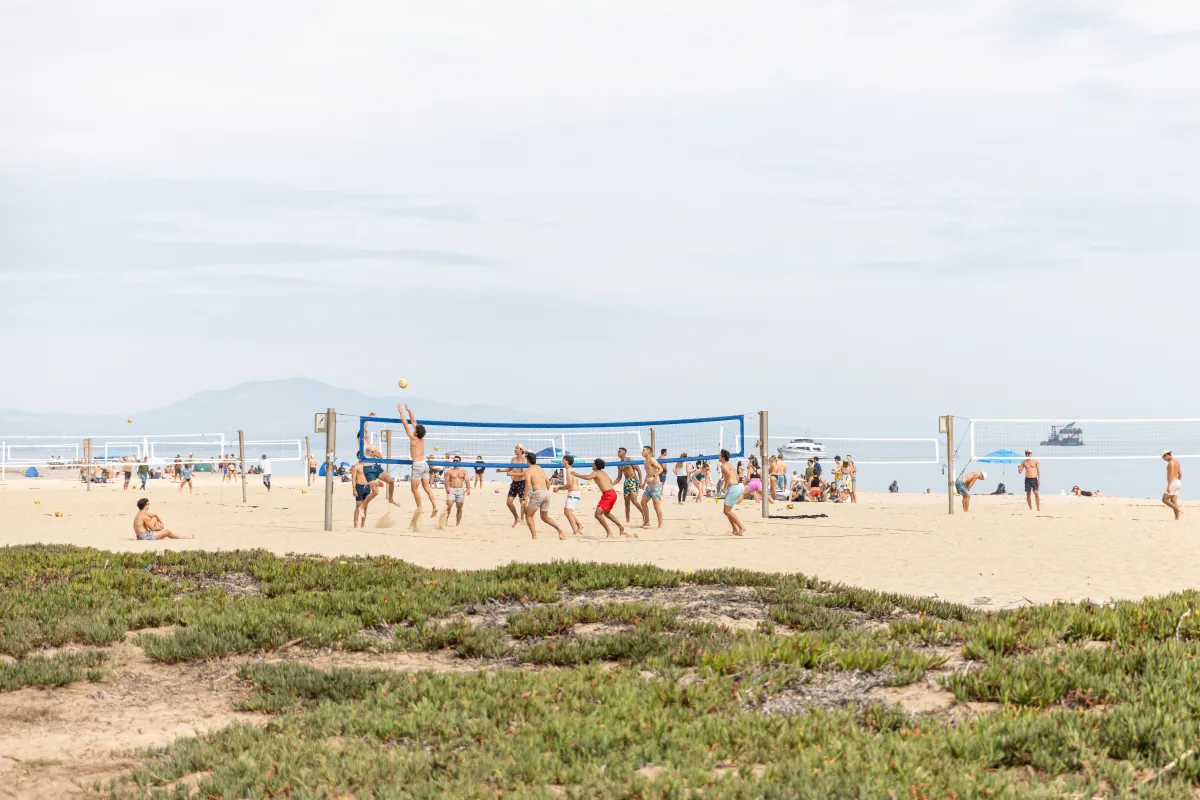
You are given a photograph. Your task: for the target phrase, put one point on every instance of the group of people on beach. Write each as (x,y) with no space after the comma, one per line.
(530,487)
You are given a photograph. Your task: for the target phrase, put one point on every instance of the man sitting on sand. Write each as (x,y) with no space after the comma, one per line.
(963,487)
(458,487)
(147,527)
(539,496)
(732,494)
(1174,479)
(608,496)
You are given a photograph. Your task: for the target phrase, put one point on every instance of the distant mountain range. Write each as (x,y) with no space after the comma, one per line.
(264,409)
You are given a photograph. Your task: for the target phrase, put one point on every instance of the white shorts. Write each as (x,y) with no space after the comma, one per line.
(458,495)
(572,501)
(419,470)
(1173,488)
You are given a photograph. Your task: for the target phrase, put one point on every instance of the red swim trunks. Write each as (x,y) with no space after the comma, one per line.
(608,500)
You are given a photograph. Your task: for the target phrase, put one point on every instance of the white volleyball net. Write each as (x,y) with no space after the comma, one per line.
(1083,439)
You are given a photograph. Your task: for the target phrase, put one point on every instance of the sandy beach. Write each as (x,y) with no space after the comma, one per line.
(999,555)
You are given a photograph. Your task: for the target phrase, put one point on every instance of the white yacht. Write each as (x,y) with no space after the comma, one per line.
(801,449)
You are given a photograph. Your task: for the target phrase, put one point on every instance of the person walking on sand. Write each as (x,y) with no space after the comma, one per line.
(1033,479)
(654,489)
(264,466)
(364,492)
(1174,479)
(570,485)
(539,496)
(963,487)
(683,474)
(479,473)
(312,466)
(516,489)
(631,479)
(458,488)
(608,497)
(733,493)
(144,472)
(147,527)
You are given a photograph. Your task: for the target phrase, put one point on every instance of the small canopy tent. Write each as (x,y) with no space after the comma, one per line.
(32,473)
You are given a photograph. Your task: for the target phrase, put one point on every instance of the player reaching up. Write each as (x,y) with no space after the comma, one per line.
(539,496)
(608,497)
(419,477)
(570,485)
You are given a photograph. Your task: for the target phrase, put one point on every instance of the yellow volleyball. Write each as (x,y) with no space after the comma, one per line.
(403,384)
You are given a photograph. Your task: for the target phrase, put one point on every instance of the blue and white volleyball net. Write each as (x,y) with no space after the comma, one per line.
(695,439)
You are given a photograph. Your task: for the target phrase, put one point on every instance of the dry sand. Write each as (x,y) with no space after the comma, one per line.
(999,555)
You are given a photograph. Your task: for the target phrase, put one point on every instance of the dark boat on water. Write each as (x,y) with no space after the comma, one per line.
(1064,436)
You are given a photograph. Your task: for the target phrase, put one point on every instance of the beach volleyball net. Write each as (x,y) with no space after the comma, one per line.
(1082,439)
(52,452)
(700,438)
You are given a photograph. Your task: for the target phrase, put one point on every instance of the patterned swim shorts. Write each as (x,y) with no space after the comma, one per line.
(654,491)
(517,489)
(630,486)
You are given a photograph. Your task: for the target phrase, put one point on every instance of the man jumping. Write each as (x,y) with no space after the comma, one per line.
(1033,483)
(419,477)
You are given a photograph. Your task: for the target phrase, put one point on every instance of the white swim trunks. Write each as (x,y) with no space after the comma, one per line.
(573,499)
(538,499)
(419,470)
(1173,488)
(459,494)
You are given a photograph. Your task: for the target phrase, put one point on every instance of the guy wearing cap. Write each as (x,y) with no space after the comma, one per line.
(963,487)
(1033,474)
(1174,478)
(265,465)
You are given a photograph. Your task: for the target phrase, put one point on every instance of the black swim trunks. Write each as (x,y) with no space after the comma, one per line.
(361,492)
(517,489)
(1032,485)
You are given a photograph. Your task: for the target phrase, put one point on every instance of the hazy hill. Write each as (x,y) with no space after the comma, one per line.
(264,409)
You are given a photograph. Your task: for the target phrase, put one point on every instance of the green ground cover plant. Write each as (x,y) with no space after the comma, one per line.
(632,693)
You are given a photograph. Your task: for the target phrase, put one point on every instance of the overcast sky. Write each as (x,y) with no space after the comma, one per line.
(859,215)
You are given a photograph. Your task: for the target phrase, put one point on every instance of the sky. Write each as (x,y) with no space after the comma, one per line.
(857,215)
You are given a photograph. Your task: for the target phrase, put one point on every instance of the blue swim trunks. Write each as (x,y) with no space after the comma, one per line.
(653,491)
(361,492)
(961,488)
(735,491)
(372,472)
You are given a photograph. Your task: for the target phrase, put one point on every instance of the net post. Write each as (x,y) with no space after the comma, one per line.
(307,456)
(87,462)
(653,444)
(3,460)
(948,427)
(762,464)
(242,459)
(330,445)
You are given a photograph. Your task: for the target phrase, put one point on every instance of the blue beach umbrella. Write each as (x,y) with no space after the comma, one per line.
(1002,457)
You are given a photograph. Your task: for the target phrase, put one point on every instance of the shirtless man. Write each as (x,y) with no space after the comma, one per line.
(570,485)
(419,477)
(516,489)
(608,496)
(654,489)
(1174,479)
(1033,483)
(631,477)
(732,494)
(128,469)
(147,527)
(963,487)
(364,492)
(539,496)
(458,488)
(312,466)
